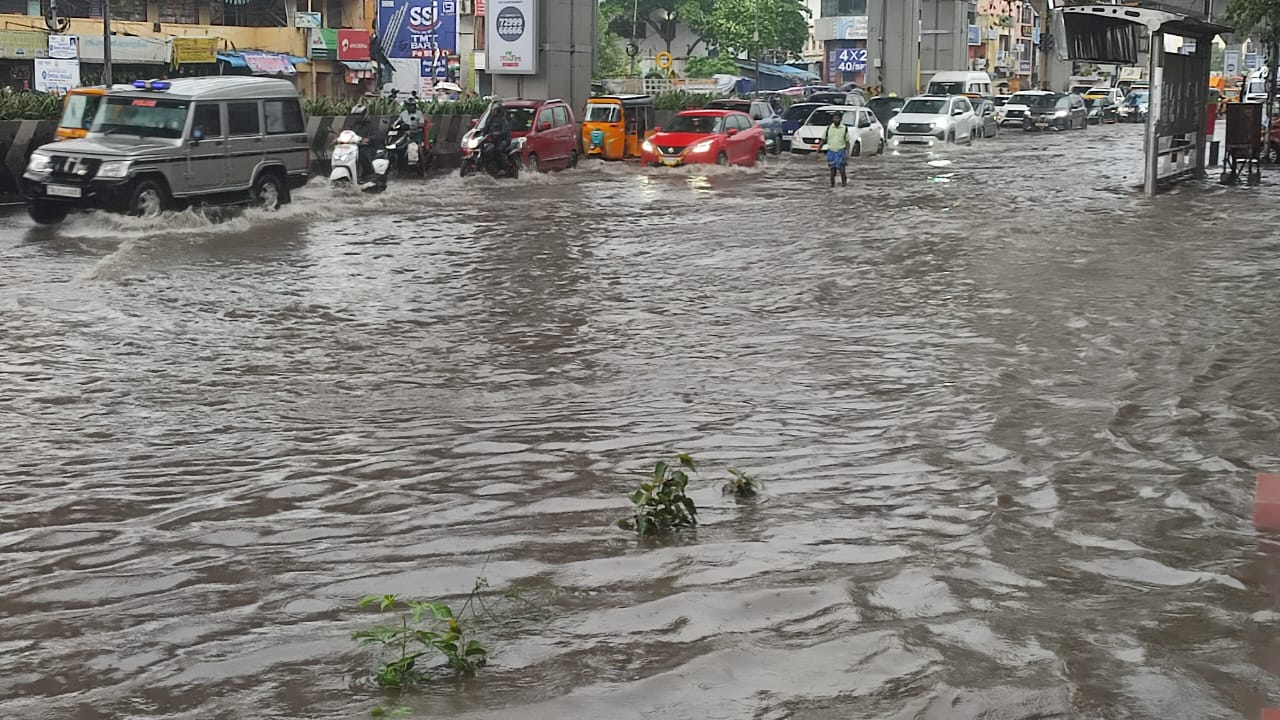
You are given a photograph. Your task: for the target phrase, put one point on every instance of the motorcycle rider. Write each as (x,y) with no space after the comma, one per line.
(497,129)
(366,128)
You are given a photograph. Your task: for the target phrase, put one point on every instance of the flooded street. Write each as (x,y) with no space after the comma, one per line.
(1007,413)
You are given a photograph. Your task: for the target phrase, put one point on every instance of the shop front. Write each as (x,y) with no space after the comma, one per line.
(341,65)
(18,51)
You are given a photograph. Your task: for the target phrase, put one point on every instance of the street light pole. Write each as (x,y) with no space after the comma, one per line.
(106,42)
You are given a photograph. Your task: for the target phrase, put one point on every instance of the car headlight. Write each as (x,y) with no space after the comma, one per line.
(647,146)
(893,124)
(933,125)
(40,163)
(114,169)
(1062,113)
(703,146)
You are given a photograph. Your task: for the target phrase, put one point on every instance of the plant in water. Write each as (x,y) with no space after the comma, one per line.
(381,712)
(661,503)
(742,486)
(424,629)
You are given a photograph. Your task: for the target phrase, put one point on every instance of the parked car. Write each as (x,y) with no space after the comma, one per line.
(762,113)
(884,107)
(793,118)
(1021,103)
(547,126)
(868,133)
(1134,107)
(829,98)
(1000,101)
(1102,109)
(962,82)
(162,144)
(1114,93)
(722,137)
(986,112)
(930,118)
(1068,113)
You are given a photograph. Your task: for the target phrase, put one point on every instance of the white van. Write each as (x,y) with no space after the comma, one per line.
(960,83)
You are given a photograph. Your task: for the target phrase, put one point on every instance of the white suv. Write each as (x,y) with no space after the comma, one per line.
(934,118)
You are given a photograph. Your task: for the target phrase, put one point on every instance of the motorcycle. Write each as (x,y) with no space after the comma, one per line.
(407,143)
(346,164)
(480,153)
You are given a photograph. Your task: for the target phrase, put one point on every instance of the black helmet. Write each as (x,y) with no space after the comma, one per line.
(360,110)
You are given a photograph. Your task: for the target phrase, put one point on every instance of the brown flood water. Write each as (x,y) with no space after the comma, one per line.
(1007,412)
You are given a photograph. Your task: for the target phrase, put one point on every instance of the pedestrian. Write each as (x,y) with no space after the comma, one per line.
(837,145)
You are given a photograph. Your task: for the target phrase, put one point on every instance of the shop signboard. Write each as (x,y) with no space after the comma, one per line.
(64,47)
(417,28)
(56,76)
(195,50)
(126,49)
(264,63)
(23,45)
(353,44)
(511,35)
(323,44)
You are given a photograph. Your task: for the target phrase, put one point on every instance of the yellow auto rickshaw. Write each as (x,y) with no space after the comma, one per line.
(615,126)
(78,109)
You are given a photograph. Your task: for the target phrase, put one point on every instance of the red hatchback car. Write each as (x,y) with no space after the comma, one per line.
(550,136)
(722,137)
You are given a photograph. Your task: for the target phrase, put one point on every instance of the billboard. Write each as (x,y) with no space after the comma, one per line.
(417,28)
(511,34)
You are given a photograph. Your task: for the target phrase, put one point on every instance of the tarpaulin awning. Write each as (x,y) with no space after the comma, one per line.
(358,65)
(260,62)
(233,60)
(785,71)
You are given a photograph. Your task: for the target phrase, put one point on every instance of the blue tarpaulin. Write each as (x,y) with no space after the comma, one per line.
(777,77)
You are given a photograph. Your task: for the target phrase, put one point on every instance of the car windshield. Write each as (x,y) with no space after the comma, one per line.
(823,117)
(1136,98)
(1044,101)
(925,107)
(743,106)
(799,112)
(700,124)
(946,88)
(600,112)
(829,98)
(80,111)
(1000,101)
(145,117)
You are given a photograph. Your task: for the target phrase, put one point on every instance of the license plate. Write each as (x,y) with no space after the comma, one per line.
(1042,124)
(62,191)
(669,162)
(787,137)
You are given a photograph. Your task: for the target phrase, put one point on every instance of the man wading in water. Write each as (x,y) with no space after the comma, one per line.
(837,148)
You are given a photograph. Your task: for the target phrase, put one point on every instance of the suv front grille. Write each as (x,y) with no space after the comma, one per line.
(914,129)
(66,167)
(670,149)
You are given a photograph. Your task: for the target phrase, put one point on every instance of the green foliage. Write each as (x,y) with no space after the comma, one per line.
(742,486)
(424,629)
(784,26)
(1256,17)
(29,106)
(680,100)
(611,58)
(381,107)
(690,13)
(661,504)
(381,712)
(705,67)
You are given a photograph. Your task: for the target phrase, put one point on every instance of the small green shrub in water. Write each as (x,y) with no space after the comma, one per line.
(381,712)
(661,504)
(425,628)
(742,486)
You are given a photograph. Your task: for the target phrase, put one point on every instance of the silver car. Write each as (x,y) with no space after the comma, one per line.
(161,145)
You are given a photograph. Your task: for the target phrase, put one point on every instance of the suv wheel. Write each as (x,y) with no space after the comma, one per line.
(47,213)
(147,199)
(267,194)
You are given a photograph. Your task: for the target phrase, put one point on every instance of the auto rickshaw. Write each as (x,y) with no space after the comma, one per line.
(78,109)
(615,126)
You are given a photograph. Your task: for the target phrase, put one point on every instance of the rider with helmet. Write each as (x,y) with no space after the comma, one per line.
(497,128)
(367,129)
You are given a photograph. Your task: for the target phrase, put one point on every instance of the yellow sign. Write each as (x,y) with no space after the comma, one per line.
(663,59)
(195,50)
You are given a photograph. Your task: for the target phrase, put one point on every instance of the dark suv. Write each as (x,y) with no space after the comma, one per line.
(762,113)
(548,129)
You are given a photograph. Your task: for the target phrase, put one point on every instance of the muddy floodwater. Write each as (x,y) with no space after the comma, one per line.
(1007,413)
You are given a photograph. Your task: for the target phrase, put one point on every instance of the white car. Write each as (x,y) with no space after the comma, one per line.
(934,118)
(866,134)
(1020,103)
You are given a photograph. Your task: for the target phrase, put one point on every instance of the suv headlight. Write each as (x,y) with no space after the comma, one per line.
(703,146)
(40,164)
(114,169)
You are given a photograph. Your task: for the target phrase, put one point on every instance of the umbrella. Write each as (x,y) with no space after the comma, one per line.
(448,87)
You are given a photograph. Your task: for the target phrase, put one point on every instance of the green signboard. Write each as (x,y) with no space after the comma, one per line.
(323,44)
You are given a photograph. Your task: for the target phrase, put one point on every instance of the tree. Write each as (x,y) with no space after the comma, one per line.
(1260,18)
(650,14)
(611,60)
(783,24)
(705,67)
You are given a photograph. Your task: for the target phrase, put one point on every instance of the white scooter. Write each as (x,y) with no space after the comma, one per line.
(345,160)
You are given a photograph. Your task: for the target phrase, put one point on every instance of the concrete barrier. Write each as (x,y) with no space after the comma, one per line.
(18,138)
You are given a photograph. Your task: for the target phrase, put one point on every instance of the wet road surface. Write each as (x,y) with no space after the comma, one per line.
(1007,413)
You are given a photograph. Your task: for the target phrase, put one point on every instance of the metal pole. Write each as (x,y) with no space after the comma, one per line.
(757,48)
(106,42)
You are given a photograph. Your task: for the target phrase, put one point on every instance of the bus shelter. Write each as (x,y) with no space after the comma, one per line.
(1178,47)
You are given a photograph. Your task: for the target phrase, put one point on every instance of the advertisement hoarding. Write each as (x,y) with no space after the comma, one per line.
(417,28)
(511,34)
(56,76)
